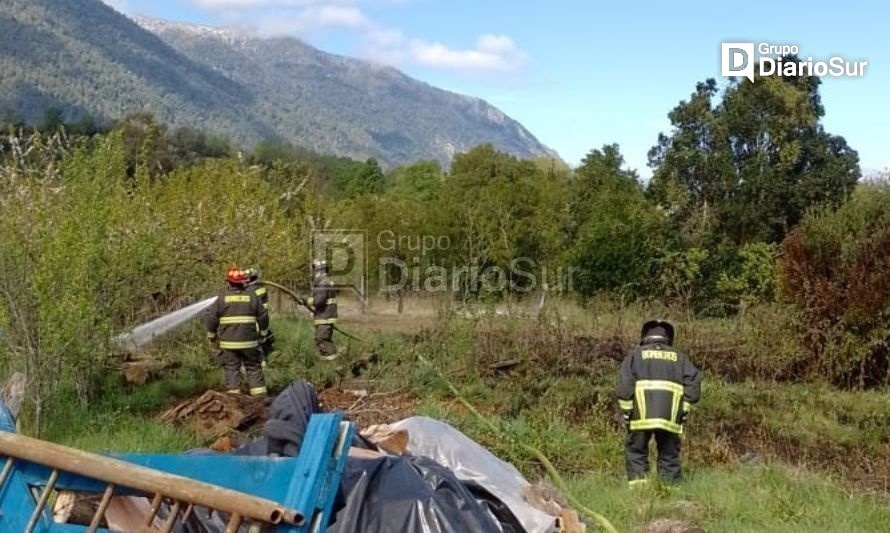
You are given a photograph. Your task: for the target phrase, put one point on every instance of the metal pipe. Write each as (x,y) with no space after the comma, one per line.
(7,468)
(145,479)
(187,513)
(103,506)
(168,525)
(234,523)
(41,503)
(155,505)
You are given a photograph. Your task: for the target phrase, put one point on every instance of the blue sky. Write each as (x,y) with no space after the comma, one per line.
(580,74)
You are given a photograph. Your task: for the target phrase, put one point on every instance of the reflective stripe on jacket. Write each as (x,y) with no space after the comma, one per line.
(324,302)
(657,384)
(261,292)
(238,319)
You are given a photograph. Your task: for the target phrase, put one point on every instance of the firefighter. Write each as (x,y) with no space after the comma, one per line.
(237,324)
(323,304)
(254,283)
(657,387)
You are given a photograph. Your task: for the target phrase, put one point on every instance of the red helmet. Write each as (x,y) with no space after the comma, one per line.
(236,276)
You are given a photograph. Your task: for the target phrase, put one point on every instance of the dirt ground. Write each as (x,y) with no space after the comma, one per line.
(382,316)
(366,408)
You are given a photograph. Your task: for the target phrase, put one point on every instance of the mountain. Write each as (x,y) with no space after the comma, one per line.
(86,58)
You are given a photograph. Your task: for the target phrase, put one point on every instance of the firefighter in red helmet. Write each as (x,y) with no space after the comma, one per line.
(238,324)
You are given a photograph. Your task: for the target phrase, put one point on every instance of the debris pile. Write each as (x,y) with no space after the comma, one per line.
(368,408)
(216,413)
(404,474)
(416,475)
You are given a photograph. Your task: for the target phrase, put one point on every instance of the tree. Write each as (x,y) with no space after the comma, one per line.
(613,228)
(53,120)
(502,209)
(146,143)
(421,181)
(352,180)
(191,144)
(749,167)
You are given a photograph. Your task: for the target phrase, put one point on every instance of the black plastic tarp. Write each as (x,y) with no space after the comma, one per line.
(381,494)
(406,494)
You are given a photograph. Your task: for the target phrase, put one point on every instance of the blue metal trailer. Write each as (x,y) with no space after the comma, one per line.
(290,495)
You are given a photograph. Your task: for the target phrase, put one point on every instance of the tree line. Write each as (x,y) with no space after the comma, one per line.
(751,203)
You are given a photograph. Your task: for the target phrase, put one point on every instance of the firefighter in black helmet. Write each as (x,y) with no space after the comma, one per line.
(323,304)
(254,283)
(657,387)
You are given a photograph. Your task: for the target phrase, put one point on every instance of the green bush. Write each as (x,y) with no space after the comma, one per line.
(754,280)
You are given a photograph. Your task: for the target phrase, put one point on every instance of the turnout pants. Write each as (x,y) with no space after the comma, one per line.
(323,335)
(636,454)
(252,360)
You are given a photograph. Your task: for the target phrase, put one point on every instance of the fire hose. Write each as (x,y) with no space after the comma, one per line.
(296,297)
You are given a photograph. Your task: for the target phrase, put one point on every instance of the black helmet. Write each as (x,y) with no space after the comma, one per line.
(319,266)
(657,331)
(253,275)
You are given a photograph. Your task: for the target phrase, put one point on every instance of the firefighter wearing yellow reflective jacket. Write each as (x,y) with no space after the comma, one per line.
(323,303)
(237,324)
(657,387)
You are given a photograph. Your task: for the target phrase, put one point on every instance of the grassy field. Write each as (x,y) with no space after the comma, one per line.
(761,498)
(821,457)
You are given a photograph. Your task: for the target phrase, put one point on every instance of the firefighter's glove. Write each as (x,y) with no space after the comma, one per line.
(301,301)
(268,342)
(626,416)
(684,417)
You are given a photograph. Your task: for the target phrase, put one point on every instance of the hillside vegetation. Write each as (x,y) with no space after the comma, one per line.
(84,58)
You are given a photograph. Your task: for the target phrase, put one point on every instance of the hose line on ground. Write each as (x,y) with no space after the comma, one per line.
(539,455)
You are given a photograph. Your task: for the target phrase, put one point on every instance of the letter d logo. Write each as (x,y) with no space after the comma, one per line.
(737,59)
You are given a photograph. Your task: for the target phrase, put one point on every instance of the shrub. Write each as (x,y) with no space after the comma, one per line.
(753,280)
(835,269)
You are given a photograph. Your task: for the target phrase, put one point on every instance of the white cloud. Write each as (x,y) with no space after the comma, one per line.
(306,21)
(240,4)
(325,16)
(491,53)
(386,46)
(216,5)
(496,44)
(119,5)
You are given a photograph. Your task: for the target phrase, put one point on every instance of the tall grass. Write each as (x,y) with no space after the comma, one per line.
(763,498)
